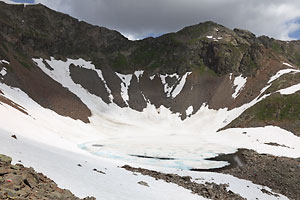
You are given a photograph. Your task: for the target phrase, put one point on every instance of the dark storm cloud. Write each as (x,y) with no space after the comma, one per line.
(139,18)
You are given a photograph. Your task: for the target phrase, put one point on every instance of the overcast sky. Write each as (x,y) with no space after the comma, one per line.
(141,18)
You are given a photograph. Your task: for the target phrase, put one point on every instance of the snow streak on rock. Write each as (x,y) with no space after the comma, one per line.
(3,72)
(125,85)
(89,65)
(167,88)
(138,74)
(180,85)
(282,72)
(172,90)
(111,97)
(289,65)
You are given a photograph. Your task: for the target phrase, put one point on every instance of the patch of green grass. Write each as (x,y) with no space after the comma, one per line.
(250,63)
(120,62)
(277,107)
(147,55)
(199,39)
(154,65)
(296,57)
(3,54)
(203,69)
(277,47)
(198,30)
(25,64)
(4,46)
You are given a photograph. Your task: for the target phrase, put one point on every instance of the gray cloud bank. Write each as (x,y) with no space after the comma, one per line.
(140,18)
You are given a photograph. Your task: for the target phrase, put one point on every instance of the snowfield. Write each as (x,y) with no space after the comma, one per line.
(55,145)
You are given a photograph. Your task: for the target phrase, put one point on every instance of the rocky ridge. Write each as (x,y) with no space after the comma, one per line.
(207,190)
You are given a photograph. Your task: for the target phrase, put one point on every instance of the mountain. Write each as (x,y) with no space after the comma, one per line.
(85,94)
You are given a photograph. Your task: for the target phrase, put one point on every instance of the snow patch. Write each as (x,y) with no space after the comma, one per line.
(3,71)
(290,90)
(213,38)
(138,74)
(152,77)
(239,84)
(125,85)
(189,110)
(4,61)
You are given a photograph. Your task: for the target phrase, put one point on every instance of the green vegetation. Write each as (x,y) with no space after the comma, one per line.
(3,54)
(203,69)
(284,81)
(22,59)
(25,64)
(277,107)
(4,46)
(198,30)
(146,54)
(120,62)
(277,47)
(294,54)
(153,56)
(249,64)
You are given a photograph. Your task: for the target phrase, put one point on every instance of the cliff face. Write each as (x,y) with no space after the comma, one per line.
(200,64)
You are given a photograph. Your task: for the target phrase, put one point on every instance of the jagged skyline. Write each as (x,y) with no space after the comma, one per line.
(140,19)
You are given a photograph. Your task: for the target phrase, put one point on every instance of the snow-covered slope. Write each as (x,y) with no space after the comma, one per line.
(115,136)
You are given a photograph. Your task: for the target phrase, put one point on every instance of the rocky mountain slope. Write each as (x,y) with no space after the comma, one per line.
(209,50)
(167,103)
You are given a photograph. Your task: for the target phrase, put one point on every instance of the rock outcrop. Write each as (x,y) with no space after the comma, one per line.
(19,182)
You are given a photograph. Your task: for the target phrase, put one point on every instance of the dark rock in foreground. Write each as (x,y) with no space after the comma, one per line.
(19,182)
(281,174)
(207,190)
